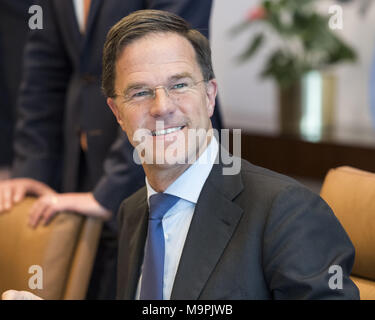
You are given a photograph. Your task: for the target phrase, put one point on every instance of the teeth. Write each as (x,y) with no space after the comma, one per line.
(166,131)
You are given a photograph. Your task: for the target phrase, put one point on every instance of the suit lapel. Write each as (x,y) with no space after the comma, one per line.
(215,219)
(68,20)
(94,11)
(131,257)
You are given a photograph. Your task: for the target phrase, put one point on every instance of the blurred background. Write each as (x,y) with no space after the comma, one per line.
(343,137)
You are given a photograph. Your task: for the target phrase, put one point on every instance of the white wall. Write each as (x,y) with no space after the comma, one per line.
(250,102)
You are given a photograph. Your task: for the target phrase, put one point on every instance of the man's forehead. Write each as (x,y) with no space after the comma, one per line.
(166,53)
(158,37)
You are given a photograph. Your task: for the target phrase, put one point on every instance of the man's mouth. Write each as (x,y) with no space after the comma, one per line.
(166,131)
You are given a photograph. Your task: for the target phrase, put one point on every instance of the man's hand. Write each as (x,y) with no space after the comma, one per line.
(46,207)
(19,295)
(13,191)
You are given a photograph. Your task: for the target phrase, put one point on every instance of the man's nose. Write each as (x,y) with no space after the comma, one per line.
(162,103)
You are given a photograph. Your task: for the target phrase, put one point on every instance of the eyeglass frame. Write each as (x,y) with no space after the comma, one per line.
(153,90)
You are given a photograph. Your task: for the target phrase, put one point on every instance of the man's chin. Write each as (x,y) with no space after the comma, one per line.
(166,160)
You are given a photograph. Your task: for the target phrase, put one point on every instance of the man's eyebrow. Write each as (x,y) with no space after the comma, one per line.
(180,76)
(135,85)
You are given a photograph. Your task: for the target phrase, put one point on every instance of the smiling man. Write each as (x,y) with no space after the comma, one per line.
(194,232)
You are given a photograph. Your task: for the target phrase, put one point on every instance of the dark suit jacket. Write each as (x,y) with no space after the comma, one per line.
(13,16)
(254,235)
(61,96)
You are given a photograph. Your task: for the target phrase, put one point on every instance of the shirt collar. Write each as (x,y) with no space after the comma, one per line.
(194,177)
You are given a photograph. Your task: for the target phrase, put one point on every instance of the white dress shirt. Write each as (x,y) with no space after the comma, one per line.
(79,11)
(176,221)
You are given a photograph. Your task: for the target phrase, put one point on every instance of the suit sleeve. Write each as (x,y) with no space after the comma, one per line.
(13,15)
(38,140)
(302,241)
(122,176)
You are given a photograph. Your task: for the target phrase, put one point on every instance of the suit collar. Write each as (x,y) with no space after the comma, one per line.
(94,10)
(215,219)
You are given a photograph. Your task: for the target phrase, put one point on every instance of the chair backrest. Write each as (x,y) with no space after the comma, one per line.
(350,193)
(58,257)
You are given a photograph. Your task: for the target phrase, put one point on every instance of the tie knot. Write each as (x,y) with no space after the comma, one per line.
(160,203)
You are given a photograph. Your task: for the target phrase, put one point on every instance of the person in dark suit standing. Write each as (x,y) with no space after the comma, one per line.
(66,138)
(195,231)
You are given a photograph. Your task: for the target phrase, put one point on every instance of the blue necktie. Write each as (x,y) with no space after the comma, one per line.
(153,265)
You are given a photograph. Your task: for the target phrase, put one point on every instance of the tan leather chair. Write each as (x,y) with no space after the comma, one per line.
(351,195)
(65,251)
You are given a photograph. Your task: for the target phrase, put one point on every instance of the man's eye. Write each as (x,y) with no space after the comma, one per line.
(140,94)
(181,85)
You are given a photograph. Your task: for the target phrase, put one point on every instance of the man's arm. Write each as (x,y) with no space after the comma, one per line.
(47,206)
(302,241)
(122,175)
(50,202)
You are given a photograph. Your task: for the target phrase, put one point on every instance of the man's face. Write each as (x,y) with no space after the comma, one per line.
(163,59)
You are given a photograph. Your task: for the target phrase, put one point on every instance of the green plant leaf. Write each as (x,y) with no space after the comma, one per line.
(252,48)
(240,27)
(307,43)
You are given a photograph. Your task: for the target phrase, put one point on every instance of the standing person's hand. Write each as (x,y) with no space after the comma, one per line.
(13,191)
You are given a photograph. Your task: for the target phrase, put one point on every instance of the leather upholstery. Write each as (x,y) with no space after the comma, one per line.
(65,249)
(350,193)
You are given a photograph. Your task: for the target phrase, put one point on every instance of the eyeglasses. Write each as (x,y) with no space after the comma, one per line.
(175,90)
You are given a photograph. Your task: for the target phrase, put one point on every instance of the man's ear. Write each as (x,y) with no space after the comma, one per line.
(112,104)
(211,90)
